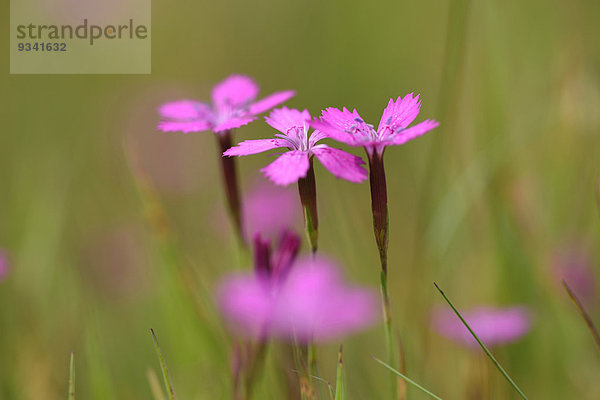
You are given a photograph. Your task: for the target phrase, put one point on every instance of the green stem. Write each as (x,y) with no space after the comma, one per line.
(487,352)
(163,367)
(407,379)
(255,366)
(71,395)
(586,317)
(339,383)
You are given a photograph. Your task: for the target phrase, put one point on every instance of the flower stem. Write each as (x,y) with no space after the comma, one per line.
(308,197)
(407,379)
(71,395)
(381,222)
(230,183)
(257,360)
(586,317)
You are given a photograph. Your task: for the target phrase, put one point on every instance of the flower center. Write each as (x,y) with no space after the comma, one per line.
(361,128)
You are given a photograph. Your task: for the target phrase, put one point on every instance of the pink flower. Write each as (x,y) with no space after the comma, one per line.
(233,105)
(494,326)
(348,127)
(311,303)
(3,265)
(292,165)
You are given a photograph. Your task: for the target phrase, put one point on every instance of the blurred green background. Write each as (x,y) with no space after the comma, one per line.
(111,227)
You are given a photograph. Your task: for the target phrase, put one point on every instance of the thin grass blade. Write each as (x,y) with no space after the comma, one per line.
(71,395)
(330,392)
(163,367)
(586,317)
(407,379)
(487,352)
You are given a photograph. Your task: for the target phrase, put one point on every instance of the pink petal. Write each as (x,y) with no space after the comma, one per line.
(341,164)
(234,91)
(247,304)
(399,114)
(288,168)
(414,131)
(494,326)
(185,127)
(233,123)
(316,136)
(271,101)
(283,119)
(248,147)
(316,303)
(184,110)
(337,124)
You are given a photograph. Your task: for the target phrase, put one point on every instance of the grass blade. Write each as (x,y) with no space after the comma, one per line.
(340,393)
(163,367)
(329,387)
(71,395)
(407,379)
(487,352)
(584,314)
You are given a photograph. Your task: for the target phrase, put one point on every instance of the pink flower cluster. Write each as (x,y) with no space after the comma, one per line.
(349,127)
(293,164)
(305,299)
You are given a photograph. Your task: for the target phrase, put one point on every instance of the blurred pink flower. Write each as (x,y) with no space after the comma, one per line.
(4,267)
(574,266)
(311,303)
(233,105)
(348,127)
(494,326)
(270,209)
(294,164)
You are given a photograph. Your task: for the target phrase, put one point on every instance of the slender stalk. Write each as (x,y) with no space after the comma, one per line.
(407,379)
(257,359)
(163,367)
(487,352)
(71,395)
(583,312)
(306,390)
(308,197)
(311,359)
(340,392)
(381,222)
(230,183)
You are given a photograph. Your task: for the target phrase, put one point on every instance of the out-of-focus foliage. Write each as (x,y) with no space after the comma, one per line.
(112,228)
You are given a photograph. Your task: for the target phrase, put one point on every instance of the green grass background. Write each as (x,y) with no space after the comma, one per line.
(111,227)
